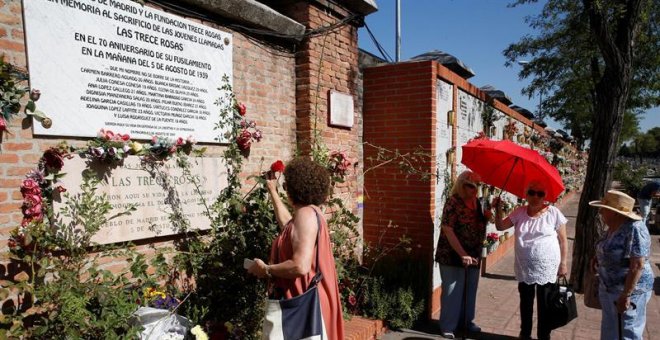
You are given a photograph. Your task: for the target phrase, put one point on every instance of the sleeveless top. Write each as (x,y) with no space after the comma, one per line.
(328,288)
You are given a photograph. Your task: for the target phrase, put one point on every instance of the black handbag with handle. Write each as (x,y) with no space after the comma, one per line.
(561,303)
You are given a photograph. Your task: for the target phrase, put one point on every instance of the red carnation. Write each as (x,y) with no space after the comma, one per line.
(277,166)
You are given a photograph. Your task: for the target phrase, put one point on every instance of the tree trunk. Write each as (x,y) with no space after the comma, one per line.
(615,42)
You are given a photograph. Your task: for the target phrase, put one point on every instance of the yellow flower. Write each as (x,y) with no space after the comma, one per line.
(229,326)
(199,333)
(136,147)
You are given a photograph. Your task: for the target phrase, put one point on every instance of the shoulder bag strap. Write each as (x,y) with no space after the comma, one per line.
(317,278)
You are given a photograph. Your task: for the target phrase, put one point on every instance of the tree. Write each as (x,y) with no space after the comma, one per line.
(585,57)
(563,55)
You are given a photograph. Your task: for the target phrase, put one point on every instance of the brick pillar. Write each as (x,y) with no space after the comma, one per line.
(328,61)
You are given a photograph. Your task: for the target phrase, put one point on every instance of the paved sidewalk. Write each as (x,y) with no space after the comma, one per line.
(498,302)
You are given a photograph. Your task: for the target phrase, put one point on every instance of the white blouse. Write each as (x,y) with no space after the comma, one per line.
(537,246)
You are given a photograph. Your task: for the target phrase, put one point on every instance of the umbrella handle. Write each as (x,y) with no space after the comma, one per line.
(508,176)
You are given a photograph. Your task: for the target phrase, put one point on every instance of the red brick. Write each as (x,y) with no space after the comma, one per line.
(8,158)
(10,20)
(18,171)
(7,45)
(3,197)
(9,207)
(16,146)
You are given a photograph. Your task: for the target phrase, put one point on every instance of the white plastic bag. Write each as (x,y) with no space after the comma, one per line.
(161,324)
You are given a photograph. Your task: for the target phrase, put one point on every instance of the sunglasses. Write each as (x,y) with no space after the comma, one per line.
(469,185)
(538,193)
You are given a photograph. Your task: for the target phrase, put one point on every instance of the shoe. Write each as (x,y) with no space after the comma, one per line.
(472,328)
(447,335)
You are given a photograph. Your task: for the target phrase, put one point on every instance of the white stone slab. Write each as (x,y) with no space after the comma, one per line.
(131,183)
(118,65)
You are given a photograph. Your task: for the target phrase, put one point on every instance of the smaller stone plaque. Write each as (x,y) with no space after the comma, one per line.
(341,109)
(156,195)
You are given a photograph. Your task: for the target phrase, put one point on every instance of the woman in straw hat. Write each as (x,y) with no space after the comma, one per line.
(626,278)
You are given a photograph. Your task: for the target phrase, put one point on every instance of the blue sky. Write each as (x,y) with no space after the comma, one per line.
(474,31)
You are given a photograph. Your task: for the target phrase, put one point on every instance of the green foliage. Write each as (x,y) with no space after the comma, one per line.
(242,226)
(11,92)
(566,63)
(65,292)
(396,295)
(489,116)
(632,179)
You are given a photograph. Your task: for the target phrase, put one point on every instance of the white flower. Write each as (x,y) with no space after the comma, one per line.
(199,333)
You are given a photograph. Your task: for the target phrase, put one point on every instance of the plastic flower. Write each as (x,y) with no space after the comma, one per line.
(277,166)
(136,147)
(35,95)
(199,333)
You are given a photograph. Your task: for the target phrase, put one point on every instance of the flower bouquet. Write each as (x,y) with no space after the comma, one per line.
(158,319)
(491,241)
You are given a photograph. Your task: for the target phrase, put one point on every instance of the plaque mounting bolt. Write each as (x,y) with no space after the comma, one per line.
(226,41)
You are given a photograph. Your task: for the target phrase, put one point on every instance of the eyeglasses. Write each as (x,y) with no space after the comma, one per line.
(469,185)
(284,185)
(538,193)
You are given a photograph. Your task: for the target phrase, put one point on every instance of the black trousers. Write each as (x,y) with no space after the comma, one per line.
(527,310)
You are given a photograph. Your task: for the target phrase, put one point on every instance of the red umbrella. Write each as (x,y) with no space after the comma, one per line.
(511,167)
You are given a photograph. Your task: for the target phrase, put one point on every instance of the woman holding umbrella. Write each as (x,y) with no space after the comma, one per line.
(626,277)
(463,229)
(541,248)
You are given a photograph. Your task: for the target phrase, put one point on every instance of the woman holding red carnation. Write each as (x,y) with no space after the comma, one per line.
(293,262)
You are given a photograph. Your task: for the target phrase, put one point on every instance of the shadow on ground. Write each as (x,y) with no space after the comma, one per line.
(430,330)
(499,277)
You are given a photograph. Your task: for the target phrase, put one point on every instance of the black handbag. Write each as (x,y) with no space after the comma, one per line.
(561,304)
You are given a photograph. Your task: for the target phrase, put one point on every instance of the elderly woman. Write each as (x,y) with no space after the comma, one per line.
(541,248)
(292,262)
(463,229)
(626,277)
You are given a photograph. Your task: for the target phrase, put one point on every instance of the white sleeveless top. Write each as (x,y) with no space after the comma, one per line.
(537,246)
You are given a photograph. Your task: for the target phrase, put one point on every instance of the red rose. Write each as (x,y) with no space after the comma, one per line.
(278,166)
(244,140)
(242,110)
(352,300)
(32,200)
(53,159)
(30,186)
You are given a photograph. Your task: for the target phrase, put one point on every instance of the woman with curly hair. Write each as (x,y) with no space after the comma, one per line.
(292,262)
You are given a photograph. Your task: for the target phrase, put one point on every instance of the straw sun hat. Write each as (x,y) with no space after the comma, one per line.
(618,202)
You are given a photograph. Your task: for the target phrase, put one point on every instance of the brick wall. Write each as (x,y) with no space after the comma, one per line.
(399,106)
(264,79)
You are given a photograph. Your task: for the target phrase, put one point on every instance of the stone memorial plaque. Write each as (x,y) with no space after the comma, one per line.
(118,65)
(341,109)
(132,184)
